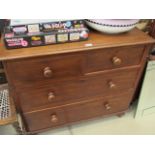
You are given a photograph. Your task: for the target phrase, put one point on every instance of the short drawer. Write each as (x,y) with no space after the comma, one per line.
(57,94)
(72,113)
(111,58)
(45,119)
(58,67)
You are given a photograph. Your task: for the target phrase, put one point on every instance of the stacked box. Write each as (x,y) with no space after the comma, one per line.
(39,34)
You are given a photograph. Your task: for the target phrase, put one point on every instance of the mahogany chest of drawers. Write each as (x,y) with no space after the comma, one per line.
(61,84)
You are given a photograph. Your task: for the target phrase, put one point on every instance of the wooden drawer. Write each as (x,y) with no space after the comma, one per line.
(111,58)
(76,112)
(103,106)
(58,67)
(45,119)
(56,94)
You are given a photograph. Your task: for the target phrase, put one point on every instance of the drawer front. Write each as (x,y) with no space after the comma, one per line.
(54,94)
(105,59)
(105,106)
(58,67)
(77,112)
(45,119)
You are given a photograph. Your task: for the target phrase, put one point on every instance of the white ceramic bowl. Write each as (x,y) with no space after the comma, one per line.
(112,26)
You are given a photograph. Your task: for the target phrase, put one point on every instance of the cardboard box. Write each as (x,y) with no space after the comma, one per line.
(31,35)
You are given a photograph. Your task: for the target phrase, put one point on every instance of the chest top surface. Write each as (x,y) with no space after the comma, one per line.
(95,41)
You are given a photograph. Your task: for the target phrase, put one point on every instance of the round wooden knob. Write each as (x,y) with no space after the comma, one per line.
(107,106)
(47,72)
(51,96)
(112,85)
(54,118)
(116,61)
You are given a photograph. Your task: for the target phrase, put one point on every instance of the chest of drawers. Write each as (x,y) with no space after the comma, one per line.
(61,84)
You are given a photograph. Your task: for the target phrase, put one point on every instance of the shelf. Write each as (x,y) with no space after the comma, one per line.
(1,70)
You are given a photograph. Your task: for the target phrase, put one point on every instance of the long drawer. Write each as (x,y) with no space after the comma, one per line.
(57,94)
(71,113)
(71,66)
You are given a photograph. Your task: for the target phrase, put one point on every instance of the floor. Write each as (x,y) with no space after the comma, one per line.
(102,126)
